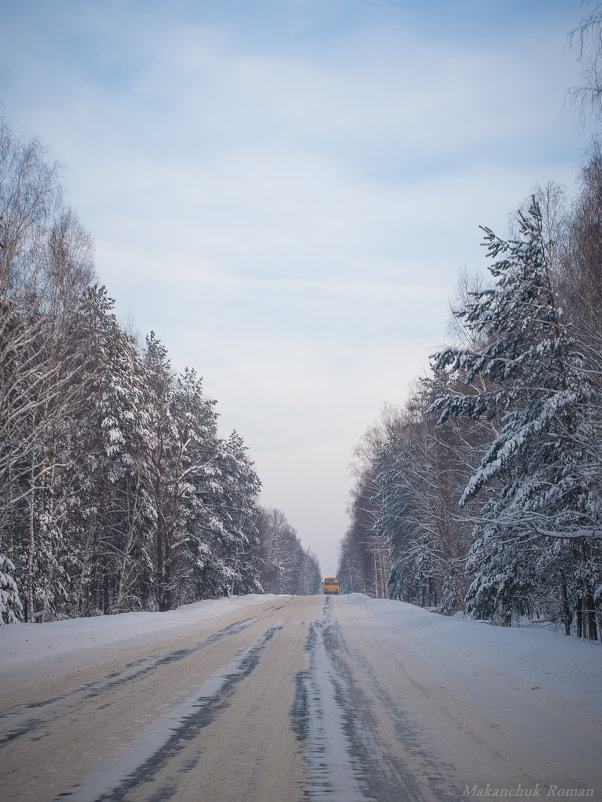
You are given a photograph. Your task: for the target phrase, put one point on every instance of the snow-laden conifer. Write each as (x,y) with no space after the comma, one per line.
(539,479)
(11,608)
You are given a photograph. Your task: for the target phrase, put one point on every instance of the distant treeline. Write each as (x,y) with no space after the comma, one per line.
(116,492)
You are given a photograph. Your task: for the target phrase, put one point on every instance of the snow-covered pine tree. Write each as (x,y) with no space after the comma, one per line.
(539,529)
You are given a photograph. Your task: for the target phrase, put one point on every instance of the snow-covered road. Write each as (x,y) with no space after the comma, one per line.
(280,698)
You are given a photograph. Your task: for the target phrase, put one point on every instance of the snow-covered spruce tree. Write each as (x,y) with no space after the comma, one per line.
(127,515)
(11,608)
(538,536)
(190,521)
(237,509)
(226,490)
(110,514)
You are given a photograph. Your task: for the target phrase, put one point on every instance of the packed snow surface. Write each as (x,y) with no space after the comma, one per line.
(565,666)
(265,697)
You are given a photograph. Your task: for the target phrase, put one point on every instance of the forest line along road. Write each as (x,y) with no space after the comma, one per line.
(293,698)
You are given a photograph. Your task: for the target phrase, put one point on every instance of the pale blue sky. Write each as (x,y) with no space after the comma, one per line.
(285,190)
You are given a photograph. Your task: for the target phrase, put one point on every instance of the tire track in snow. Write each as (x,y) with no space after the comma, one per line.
(332,716)
(316,722)
(18,722)
(321,719)
(140,760)
(408,734)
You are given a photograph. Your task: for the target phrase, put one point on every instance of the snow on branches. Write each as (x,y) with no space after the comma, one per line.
(540,517)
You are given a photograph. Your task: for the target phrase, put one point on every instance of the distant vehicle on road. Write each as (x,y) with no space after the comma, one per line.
(331,585)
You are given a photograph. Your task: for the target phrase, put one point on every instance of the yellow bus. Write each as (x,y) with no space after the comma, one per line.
(331,585)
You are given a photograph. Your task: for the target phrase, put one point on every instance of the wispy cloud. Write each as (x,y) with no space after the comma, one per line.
(285,194)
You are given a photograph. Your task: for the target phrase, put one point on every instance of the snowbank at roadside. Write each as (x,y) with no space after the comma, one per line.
(567,670)
(536,660)
(19,642)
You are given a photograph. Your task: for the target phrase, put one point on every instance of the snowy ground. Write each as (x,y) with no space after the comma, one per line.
(24,643)
(284,698)
(566,671)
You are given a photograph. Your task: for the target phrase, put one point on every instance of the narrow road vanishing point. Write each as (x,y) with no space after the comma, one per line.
(291,698)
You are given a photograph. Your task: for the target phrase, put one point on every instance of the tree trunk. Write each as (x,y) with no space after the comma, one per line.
(31,550)
(160,575)
(566,612)
(132,515)
(580,617)
(590,610)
